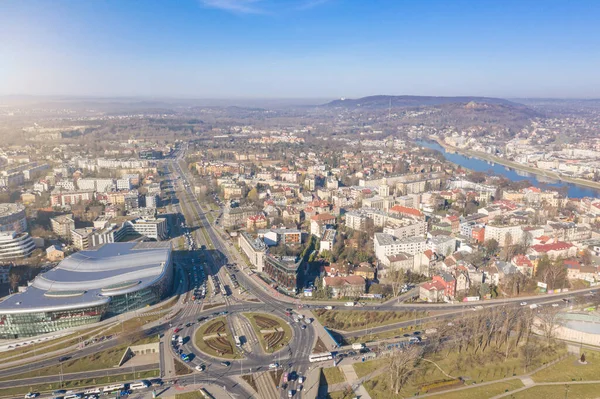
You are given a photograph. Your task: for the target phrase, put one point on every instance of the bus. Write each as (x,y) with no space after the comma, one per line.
(185,357)
(238,343)
(139,385)
(114,387)
(94,391)
(320,357)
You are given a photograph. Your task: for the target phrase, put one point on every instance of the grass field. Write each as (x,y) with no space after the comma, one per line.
(78,384)
(569,369)
(332,375)
(203,346)
(474,368)
(347,394)
(365,368)
(97,361)
(190,395)
(486,391)
(382,335)
(53,345)
(353,320)
(278,323)
(579,391)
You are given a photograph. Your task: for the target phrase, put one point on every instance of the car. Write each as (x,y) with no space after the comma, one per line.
(303,327)
(30,395)
(273,365)
(201,367)
(555,305)
(200,319)
(523,303)
(406,335)
(64,358)
(157,382)
(226,364)
(59,392)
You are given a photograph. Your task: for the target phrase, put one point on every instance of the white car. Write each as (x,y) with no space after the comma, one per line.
(200,367)
(555,305)
(523,303)
(273,365)
(31,395)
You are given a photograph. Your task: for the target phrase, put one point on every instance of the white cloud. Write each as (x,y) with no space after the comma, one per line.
(261,6)
(235,6)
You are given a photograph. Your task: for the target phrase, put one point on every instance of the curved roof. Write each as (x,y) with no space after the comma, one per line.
(96,275)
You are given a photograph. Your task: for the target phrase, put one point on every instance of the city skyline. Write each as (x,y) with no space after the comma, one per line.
(299,49)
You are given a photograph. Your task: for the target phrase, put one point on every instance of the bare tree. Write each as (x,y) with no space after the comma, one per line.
(402,366)
(530,352)
(548,322)
(14,280)
(397,279)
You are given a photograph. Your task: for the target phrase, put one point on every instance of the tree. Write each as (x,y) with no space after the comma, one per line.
(14,280)
(402,366)
(491,247)
(548,322)
(530,352)
(397,280)
(252,195)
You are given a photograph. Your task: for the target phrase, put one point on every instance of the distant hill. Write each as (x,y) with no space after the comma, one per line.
(381,101)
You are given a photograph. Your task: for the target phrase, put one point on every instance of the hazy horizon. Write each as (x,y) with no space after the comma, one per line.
(297,49)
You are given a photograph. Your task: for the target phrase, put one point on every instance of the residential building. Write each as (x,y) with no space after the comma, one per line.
(345,287)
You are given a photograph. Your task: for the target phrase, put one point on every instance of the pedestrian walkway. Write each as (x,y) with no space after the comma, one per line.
(355,383)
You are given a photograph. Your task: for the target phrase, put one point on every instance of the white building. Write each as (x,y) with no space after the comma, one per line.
(502,233)
(388,245)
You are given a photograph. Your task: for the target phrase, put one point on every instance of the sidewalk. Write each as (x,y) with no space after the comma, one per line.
(352,379)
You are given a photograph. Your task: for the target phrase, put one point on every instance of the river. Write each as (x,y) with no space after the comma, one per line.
(478,165)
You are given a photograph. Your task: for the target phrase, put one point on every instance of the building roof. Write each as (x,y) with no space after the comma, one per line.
(322,217)
(341,281)
(406,210)
(94,275)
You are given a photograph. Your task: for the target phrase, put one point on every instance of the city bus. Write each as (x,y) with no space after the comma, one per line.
(320,357)
(238,343)
(114,387)
(139,385)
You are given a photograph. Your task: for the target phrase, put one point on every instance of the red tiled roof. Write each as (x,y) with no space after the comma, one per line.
(557,246)
(322,217)
(433,285)
(406,210)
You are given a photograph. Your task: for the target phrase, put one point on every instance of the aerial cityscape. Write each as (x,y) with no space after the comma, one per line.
(328,199)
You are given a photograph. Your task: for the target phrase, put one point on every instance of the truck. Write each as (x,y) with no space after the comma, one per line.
(358,346)
(349,304)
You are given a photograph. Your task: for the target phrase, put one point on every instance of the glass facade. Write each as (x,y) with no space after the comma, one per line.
(35,323)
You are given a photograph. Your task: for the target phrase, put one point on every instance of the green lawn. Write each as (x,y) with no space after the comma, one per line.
(280,324)
(569,369)
(353,320)
(53,345)
(347,394)
(190,395)
(579,391)
(479,392)
(365,368)
(332,375)
(101,360)
(382,335)
(79,384)
(475,368)
(201,344)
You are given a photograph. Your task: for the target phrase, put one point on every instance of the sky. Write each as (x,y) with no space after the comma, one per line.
(300,48)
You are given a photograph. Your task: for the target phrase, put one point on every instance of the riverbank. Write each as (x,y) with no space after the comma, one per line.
(516,165)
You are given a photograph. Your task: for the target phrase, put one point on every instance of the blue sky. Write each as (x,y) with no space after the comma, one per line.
(300,48)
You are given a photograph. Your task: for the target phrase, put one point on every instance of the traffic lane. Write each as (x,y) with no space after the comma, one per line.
(76,376)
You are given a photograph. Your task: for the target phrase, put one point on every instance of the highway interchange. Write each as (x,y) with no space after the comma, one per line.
(217,254)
